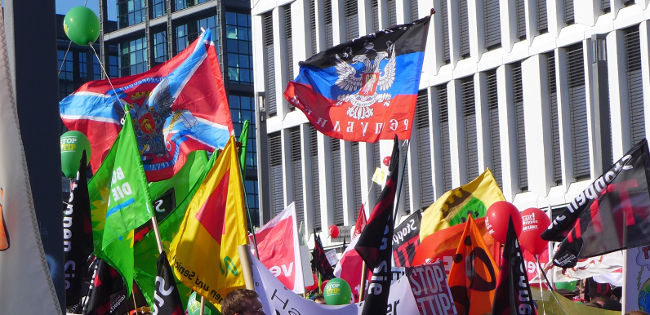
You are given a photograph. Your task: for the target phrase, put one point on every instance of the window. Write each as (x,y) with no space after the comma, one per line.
(392,12)
(182,39)
(113,63)
(495,136)
(427,196)
(518,97)
(337,184)
(635,84)
(66,76)
(239,47)
(374,4)
(356,178)
(414,10)
(312,26)
(296,173)
(578,112)
(464,28)
(289,46)
(446,53)
(469,116)
(252,196)
(187,33)
(269,64)
(351,19)
(568,12)
(605,6)
(542,21)
(492,24)
(275,178)
(242,108)
(329,35)
(555,127)
(158,8)
(134,57)
(521,19)
(83,66)
(130,12)
(315,185)
(444,138)
(160,47)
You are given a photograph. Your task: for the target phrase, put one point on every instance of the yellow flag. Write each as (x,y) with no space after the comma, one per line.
(204,252)
(454,206)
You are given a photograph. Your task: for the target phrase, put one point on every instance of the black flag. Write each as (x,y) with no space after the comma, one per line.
(613,213)
(167,299)
(106,282)
(320,262)
(375,242)
(77,236)
(513,295)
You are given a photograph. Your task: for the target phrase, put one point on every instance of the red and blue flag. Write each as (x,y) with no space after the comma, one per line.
(180,106)
(366,89)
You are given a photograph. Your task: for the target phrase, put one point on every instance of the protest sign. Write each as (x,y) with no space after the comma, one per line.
(430,289)
(406,239)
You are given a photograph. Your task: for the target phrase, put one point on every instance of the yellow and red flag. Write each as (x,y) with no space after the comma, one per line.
(204,252)
(473,275)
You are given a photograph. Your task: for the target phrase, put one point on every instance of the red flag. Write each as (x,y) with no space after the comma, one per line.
(361,222)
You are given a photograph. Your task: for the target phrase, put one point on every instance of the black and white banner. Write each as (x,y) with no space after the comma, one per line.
(406,239)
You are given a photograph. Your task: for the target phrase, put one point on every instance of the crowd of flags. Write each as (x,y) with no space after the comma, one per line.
(163,216)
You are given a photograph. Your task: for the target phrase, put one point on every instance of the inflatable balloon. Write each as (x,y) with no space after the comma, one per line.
(566,285)
(73,143)
(323,284)
(334,231)
(81,25)
(496,220)
(337,292)
(534,222)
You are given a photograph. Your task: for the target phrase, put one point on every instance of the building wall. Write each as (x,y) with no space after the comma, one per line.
(518,86)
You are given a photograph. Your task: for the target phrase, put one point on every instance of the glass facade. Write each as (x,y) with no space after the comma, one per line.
(130,12)
(242,108)
(66,74)
(133,57)
(188,32)
(160,47)
(158,8)
(239,47)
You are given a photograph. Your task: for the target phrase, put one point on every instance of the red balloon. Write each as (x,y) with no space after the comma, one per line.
(535,221)
(496,220)
(334,231)
(387,160)
(322,285)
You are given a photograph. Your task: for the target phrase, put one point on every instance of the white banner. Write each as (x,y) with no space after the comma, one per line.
(590,267)
(274,296)
(25,283)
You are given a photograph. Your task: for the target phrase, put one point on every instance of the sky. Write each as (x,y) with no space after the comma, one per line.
(63,6)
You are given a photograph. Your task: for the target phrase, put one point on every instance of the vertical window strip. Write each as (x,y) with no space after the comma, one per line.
(356,173)
(337,184)
(288,35)
(445,32)
(329,33)
(392,12)
(568,12)
(605,6)
(405,190)
(414,10)
(578,111)
(555,126)
(296,170)
(492,24)
(374,4)
(521,19)
(312,26)
(269,65)
(444,138)
(518,94)
(376,153)
(315,185)
(427,196)
(351,19)
(464,28)
(469,116)
(495,136)
(275,159)
(635,84)
(542,17)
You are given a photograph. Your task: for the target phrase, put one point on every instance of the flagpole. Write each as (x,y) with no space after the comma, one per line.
(202,309)
(244,256)
(400,183)
(362,288)
(248,211)
(154,222)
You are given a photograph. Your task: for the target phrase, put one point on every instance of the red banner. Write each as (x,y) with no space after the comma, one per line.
(430,289)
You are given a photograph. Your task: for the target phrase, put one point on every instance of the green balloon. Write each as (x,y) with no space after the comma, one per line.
(73,143)
(566,285)
(81,25)
(337,292)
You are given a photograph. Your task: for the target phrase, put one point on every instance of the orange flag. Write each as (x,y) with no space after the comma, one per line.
(473,276)
(204,252)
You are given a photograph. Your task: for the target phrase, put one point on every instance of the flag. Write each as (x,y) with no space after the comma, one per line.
(613,213)
(279,249)
(319,260)
(243,139)
(513,295)
(349,269)
(454,206)
(406,240)
(168,300)
(178,107)
(444,243)
(473,275)
(214,223)
(145,247)
(105,282)
(361,222)
(119,203)
(374,244)
(350,91)
(26,285)
(77,235)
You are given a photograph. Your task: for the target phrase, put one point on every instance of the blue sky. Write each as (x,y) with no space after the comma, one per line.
(62,7)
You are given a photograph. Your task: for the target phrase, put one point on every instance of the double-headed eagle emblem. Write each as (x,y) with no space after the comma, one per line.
(367,82)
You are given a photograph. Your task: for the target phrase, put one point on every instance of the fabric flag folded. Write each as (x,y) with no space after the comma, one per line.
(361,223)
(513,295)
(350,91)
(279,249)
(77,235)
(349,269)
(406,240)
(168,300)
(454,206)
(611,214)
(179,106)
(120,203)
(375,242)
(214,223)
(106,281)
(243,139)
(472,278)
(319,260)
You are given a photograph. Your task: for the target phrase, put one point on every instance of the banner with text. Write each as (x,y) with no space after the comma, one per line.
(430,289)
(406,239)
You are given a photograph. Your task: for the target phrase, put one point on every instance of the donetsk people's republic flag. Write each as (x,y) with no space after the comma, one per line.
(366,89)
(204,252)
(179,107)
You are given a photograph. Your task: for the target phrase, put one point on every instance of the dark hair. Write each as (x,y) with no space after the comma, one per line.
(618,292)
(636,312)
(318,296)
(235,301)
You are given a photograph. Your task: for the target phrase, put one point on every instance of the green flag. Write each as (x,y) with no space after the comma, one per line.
(119,202)
(243,139)
(145,248)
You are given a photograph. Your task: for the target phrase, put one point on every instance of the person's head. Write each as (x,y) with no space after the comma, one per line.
(617,292)
(241,302)
(320,299)
(636,312)
(612,305)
